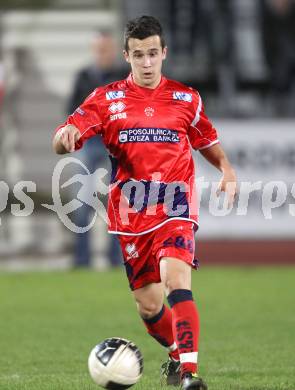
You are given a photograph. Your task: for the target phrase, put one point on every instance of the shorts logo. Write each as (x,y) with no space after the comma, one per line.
(179,242)
(149,111)
(117,107)
(115,95)
(186,97)
(148,135)
(131,251)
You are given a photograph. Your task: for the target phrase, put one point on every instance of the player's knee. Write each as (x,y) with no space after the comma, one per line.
(147,309)
(175,274)
(177,282)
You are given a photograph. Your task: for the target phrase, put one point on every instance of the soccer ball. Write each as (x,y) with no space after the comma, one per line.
(115,363)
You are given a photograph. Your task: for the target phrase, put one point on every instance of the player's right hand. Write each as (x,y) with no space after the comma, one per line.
(66,138)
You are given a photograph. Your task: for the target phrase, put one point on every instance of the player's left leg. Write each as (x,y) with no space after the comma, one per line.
(176,276)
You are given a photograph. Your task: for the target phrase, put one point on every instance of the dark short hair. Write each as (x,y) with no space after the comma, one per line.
(141,28)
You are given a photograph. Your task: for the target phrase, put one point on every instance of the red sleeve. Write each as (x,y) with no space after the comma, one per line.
(86,118)
(201,132)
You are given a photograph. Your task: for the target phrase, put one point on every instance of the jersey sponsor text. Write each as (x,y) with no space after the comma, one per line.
(148,135)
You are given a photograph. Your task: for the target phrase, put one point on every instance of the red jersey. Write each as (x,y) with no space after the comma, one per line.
(149,134)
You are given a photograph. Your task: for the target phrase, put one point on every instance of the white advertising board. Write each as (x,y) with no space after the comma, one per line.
(263,155)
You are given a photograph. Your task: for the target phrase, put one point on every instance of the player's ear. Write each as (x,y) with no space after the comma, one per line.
(164,53)
(126,55)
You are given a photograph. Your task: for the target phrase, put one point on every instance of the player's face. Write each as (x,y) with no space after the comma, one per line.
(145,57)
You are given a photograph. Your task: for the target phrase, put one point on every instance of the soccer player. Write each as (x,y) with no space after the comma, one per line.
(149,125)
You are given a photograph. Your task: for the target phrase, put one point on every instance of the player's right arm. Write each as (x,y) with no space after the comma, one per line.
(84,123)
(65,139)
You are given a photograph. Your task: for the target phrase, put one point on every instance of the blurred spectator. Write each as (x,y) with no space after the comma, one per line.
(211,23)
(217,25)
(278,26)
(102,71)
(1,92)
(1,108)
(1,81)
(183,25)
(27,103)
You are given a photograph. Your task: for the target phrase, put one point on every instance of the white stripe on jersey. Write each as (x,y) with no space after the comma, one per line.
(197,116)
(210,144)
(155,227)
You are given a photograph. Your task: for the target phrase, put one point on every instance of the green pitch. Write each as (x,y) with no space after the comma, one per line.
(50,321)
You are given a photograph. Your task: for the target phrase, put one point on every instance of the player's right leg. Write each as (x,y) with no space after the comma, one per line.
(157,318)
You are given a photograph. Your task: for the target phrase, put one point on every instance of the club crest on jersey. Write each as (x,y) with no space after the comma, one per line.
(186,97)
(111,95)
(149,111)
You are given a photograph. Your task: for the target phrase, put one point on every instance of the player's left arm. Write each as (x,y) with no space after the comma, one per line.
(203,137)
(228,183)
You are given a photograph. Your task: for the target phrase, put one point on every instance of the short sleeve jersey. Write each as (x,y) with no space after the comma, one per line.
(149,134)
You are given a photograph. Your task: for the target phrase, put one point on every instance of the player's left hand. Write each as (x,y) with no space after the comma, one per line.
(228,185)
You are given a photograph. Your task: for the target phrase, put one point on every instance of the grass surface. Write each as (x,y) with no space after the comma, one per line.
(50,321)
